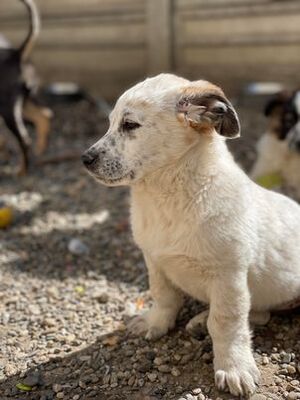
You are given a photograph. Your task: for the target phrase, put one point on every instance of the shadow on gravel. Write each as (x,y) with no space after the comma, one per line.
(111,252)
(51,209)
(118,367)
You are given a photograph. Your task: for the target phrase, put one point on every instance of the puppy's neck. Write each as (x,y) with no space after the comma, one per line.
(196,169)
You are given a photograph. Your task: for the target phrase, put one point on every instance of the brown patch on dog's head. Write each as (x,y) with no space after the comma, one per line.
(204,107)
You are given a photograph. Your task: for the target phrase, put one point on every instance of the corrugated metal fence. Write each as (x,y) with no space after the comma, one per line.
(107,45)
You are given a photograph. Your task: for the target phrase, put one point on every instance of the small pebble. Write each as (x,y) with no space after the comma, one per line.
(175,371)
(295,382)
(77,247)
(258,396)
(164,368)
(131,380)
(57,388)
(152,377)
(190,397)
(291,369)
(197,390)
(286,358)
(293,396)
(265,360)
(158,361)
(101,297)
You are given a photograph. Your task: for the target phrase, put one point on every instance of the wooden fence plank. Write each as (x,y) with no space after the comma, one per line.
(15,9)
(87,35)
(84,62)
(238,29)
(243,57)
(159,35)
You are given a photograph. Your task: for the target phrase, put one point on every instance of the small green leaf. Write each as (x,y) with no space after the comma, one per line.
(24,388)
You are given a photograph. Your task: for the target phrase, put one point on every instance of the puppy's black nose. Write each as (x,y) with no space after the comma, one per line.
(89,157)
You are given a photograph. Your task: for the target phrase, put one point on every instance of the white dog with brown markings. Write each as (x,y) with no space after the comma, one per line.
(204,227)
(278,150)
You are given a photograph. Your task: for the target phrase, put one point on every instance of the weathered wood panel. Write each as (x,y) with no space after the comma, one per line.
(14,8)
(231,28)
(160,35)
(109,44)
(237,41)
(87,34)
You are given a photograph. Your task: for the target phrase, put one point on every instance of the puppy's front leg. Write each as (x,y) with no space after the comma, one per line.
(167,302)
(228,326)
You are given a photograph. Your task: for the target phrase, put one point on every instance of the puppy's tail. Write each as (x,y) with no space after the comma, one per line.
(34,30)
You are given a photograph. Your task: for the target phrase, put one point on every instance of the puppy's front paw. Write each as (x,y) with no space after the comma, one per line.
(138,325)
(155,332)
(239,380)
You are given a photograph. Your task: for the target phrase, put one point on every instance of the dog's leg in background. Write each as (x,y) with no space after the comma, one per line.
(40,117)
(14,121)
(228,326)
(167,302)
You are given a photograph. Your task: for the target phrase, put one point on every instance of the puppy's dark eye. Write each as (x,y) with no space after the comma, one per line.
(130,125)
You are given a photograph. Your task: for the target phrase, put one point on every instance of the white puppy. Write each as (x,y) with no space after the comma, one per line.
(204,227)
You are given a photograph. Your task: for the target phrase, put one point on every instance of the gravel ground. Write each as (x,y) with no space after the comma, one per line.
(63,313)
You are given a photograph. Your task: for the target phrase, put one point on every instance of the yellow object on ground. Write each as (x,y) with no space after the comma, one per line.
(270,181)
(80,290)
(24,388)
(6,216)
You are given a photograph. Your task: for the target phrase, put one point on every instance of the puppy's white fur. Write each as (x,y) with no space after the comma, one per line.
(204,227)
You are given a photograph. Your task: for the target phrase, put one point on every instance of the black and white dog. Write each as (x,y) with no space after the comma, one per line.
(279,148)
(17,86)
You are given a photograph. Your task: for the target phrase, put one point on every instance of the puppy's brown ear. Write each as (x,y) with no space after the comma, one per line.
(206,110)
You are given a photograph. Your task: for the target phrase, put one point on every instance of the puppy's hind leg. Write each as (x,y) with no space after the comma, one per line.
(167,302)
(259,317)
(197,326)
